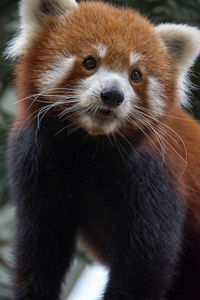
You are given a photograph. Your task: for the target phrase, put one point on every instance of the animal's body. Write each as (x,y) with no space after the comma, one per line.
(102,150)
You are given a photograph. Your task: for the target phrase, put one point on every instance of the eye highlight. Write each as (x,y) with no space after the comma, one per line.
(136,76)
(90,63)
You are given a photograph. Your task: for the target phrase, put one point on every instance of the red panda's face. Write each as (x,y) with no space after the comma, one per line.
(104,69)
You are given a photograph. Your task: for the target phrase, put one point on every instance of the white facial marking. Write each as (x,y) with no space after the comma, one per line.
(101,49)
(89,90)
(156,96)
(57,72)
(89,123)
(134,57)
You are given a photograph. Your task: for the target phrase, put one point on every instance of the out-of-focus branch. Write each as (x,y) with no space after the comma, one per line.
(5,264)
(4,242)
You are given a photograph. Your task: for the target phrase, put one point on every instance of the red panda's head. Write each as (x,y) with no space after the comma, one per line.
(105,69)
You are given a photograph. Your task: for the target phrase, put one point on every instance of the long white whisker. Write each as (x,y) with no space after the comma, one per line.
(165,132)
(157,136)
(149,111)
(67,127)
(117,145)
(143,131)
(163,124)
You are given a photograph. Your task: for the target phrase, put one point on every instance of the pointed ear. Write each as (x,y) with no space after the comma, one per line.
(33,13)
(182,43)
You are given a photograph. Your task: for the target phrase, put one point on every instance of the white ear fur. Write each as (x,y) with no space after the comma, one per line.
(32,13)
(182,42)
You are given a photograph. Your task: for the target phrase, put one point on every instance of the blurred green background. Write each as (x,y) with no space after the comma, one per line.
(158,11)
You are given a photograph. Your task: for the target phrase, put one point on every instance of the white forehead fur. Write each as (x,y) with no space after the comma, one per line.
(31,20)
(101,49)
(56,72)
(134,58)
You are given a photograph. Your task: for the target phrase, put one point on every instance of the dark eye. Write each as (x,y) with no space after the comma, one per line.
(90,63)
(136,76)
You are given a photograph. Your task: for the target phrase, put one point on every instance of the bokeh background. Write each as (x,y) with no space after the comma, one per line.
(87,278)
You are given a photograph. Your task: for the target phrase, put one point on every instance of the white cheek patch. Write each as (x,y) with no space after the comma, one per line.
(101,49)
(156,96)
(56,73)
(134,58)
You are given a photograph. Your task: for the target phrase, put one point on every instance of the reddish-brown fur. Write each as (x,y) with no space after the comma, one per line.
(79,38)
(73,35)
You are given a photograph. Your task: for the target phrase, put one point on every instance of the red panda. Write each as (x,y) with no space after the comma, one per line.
(101,149)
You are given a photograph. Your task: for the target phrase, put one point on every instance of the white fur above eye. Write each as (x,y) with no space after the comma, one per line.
(182,42)
(32,14)
(134,57)
(101,49)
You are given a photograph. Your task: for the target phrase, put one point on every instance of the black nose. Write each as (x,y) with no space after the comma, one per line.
(112,96)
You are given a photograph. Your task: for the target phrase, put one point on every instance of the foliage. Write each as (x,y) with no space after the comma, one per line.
(179,11)
(8,17)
